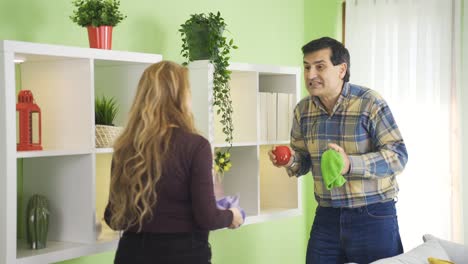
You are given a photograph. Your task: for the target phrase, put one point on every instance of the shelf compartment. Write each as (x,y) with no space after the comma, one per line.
(242,179)
(119,80)
(278,83)
(277,99)
(243,86)
(103,168)
(276,112)
(67,183)
(64,97)
(278,191)
(67,249)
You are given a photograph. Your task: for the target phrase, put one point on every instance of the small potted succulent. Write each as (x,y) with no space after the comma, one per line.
(104,113)
(99,17)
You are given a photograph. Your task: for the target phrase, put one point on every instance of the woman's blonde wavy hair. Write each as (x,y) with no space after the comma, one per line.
(161,103)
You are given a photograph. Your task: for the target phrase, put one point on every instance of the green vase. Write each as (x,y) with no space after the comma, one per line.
(37,222)
(197,40)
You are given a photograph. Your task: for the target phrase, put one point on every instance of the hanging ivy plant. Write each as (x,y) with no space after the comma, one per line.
(202,39)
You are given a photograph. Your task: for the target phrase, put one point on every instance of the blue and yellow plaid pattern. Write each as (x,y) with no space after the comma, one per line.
(363,125)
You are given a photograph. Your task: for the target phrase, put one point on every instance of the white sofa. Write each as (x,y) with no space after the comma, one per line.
(432,247)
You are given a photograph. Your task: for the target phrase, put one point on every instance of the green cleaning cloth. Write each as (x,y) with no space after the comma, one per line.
(332,165)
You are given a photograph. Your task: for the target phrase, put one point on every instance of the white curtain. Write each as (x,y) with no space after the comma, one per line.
(403,50)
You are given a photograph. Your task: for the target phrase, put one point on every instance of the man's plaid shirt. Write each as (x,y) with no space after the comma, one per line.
(363,125)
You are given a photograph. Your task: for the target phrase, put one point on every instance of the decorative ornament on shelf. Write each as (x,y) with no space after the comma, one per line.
(37,222)
(202,39)
(104,113)
(222,163)
(99,17)
(30,130)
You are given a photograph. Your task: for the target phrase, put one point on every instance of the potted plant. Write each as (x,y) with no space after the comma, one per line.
(202,39)
(99,17)
(104,113)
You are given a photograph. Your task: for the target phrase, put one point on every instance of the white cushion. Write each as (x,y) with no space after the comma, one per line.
(418,255)
(457,253)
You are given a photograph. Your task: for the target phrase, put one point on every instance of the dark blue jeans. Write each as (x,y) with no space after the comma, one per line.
(361,235)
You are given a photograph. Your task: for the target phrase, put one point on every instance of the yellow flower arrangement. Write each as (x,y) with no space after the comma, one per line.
(222,162)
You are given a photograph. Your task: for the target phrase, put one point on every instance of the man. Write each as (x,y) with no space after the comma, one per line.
(356,222)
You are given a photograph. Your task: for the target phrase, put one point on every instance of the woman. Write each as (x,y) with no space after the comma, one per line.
(161,191)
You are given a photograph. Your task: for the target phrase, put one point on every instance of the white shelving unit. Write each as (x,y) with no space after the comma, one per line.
(263,101)
(75,176)
(70,172)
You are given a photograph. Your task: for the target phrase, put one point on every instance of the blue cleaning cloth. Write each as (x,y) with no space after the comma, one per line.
(229,202)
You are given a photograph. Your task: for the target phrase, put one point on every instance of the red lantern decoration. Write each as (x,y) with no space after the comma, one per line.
(30,135)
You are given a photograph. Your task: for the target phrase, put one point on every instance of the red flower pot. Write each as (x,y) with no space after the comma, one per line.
(100,37)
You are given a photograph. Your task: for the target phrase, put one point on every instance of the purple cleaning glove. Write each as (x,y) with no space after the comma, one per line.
(228,202)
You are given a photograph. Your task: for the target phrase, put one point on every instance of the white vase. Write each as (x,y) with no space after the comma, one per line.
(218,185)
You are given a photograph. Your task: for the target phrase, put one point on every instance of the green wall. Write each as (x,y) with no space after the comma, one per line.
(266,31)
(322,18)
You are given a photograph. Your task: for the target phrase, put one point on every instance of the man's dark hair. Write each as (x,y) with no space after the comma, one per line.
(339,54)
